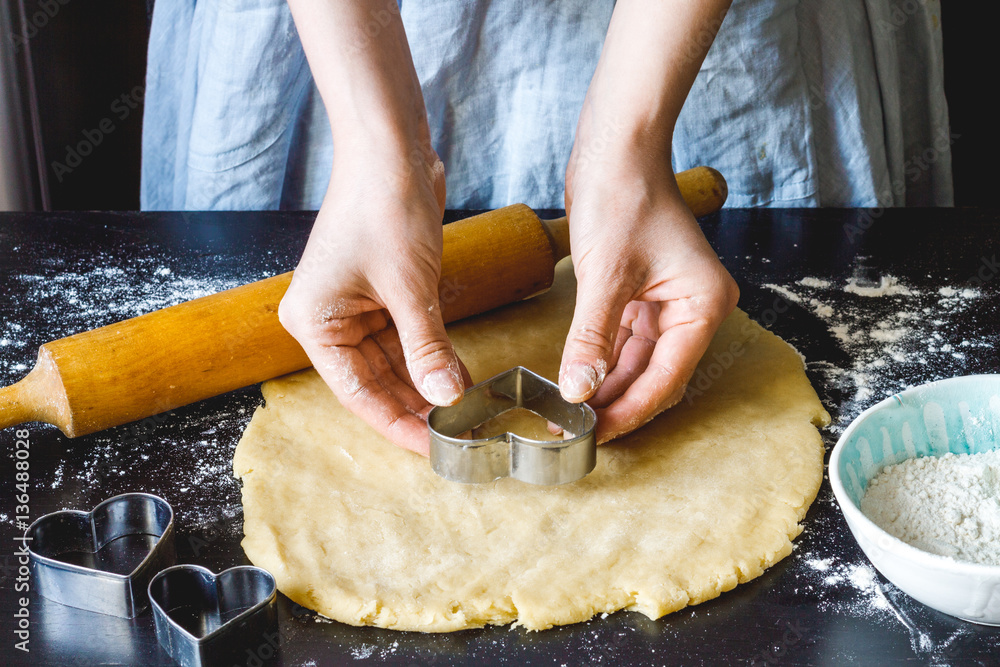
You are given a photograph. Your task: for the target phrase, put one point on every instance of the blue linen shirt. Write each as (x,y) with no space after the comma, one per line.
(798,103)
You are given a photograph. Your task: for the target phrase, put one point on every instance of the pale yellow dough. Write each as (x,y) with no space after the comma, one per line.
(706,496)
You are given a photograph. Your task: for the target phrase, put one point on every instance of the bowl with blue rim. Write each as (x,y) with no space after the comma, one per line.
(959,415)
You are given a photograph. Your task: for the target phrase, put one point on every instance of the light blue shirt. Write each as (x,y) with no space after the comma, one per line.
(799,103)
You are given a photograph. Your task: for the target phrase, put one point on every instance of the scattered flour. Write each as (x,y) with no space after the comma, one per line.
(818,307)
(856,590)
(58,476)
(82,291)
(886,335)
(951,291)
(187,459)
(888,286)
(364,651)
(948,505)
(368,651)
(850,588)
(895,336)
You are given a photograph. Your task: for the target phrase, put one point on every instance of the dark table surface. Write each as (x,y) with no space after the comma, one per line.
(824,604)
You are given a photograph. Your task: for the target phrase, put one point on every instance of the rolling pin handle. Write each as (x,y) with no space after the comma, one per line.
(13,410)
(38,396)
(558,233)
(704,190)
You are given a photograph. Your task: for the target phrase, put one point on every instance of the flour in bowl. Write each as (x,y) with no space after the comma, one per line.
(947,505)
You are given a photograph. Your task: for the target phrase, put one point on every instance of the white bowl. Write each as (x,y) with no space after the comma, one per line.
(959,415)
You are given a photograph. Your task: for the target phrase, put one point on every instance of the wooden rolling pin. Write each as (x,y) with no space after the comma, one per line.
(198,349)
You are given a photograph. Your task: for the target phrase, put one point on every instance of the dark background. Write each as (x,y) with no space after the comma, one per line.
(90,53)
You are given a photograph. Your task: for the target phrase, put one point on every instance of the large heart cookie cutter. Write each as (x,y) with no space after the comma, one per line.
(508,454)
(102,560)
(204,618)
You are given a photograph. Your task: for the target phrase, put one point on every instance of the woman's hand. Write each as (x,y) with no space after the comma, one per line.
(363,302)
(364,299)
(651,291)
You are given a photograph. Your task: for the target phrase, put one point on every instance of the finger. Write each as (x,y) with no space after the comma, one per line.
(466,376)
(636,339)
(387,375)
(356,387)
(388,341)
(661,384)
(438,178)
(632,361)
(624,333)
(590,343)
(429,354)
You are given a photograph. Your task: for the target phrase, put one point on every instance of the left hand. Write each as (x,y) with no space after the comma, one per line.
(651,291)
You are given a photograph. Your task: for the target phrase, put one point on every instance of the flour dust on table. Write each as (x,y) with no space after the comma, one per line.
(883,326)
(75,293)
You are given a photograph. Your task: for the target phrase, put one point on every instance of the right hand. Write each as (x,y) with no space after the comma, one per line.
(363,302)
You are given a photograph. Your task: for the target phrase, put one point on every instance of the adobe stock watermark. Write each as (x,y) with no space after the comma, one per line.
(699,43)
(795,631)
(379,19)
(263,652)
(598,144)
(35,21)
(22,518)
(121,108)
(765,496)
(722,360)
(913,168)
(989,268)
(205,536)
(325,249)
(899,14)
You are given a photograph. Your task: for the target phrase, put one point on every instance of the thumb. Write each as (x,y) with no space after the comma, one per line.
(430,356)
(590,343)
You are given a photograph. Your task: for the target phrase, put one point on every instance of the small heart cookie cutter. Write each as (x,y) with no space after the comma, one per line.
(102,560)
(509,455)
(203,618)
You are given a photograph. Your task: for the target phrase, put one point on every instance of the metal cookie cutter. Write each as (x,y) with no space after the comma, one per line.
(102,560)
(215,619)
(535,461)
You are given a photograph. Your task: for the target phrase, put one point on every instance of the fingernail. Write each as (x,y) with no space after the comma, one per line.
(578,382)
(443,387)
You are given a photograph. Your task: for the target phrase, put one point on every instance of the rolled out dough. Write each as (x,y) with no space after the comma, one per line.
(704,497)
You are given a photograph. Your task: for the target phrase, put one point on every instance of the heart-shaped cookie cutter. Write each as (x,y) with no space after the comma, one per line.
(204,618)
(102,560)
(508,454)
